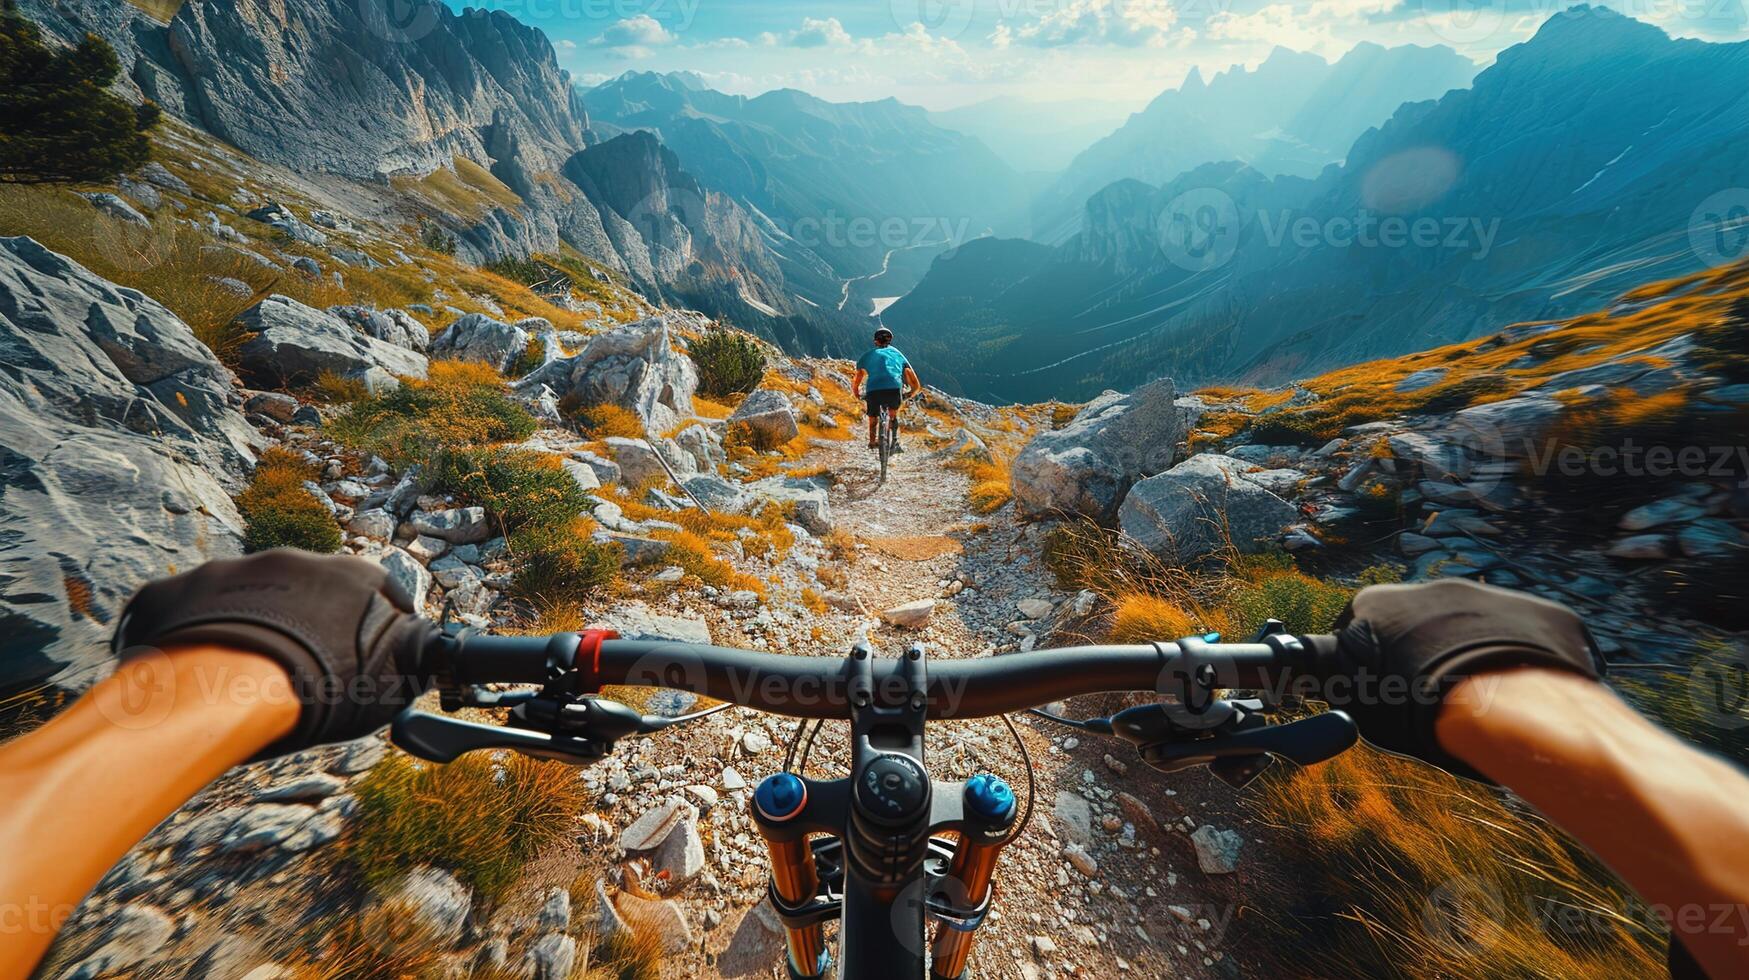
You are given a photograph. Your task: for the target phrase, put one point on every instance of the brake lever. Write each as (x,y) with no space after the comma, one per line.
(578,731)
(441,739)
(1240,756)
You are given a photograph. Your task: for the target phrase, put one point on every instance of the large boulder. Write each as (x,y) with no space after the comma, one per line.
(768,415)
(121,441)
(634,366)
(1088,466)
(1194,508)
(294,344)
(639,464)
(478,337)
(806,497)
(281,218)
(393,326)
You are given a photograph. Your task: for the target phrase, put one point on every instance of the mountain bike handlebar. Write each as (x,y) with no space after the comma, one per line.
(810,687)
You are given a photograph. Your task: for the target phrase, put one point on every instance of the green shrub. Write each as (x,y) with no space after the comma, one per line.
(279,512)
(1294,428)
(1304,603)
(462,403)
(58,124)
(728,362)
(560,564)
(480,817)
(520,488)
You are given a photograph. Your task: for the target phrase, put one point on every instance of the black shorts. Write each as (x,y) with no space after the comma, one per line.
(890,398)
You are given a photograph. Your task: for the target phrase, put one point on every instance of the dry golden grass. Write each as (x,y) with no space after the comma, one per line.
(279,512)
(604,421)
(705,408)
(1706,305)
(1142,618)
(915,548)
(1421,874)
(464,189)
(161,10)
(482,818)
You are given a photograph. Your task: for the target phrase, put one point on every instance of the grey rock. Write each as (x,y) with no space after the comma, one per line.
(808,498)
(1088,466)
(373,523)
(118,209)
(308,266)
(408,573)
(636,621)
(434,900)
(552,957)
(1217,851)
(1424,378)
(1671,510)
(145,194)
(391,326)
(360,756)
(555,912)
(457,525)
(294,344)
(137,934)
(635,367)
(638,463)
(272,404)
(635,549)
(607,472)
(704,444)
(718,494)
(1192,509)
(1412,544)
(583,474)
(154,173)
(264,826)
(768,415)
(122,443)
(304,789)
(281,218)
(1710,537)
(1072,817)
(1641,547)
(477,337)
(910,615)
(354,257)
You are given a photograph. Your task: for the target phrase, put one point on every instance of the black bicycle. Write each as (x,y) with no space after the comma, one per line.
(887,437)
(887,851)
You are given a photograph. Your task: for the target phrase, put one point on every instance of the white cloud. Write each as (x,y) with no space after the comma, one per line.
(1312,28)
(1126,23)
(916,37)
(816,33)
(642,31)
(566,44)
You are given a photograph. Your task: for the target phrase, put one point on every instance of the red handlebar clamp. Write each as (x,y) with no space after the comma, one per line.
(588,659)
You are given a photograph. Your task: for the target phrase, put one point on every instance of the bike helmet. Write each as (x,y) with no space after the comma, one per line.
(883,336)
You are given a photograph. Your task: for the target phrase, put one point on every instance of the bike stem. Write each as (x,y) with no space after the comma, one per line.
(878,866)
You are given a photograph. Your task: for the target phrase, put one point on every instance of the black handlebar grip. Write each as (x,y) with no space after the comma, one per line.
(1322,656)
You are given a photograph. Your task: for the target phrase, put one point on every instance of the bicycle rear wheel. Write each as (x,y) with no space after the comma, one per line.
(885,441)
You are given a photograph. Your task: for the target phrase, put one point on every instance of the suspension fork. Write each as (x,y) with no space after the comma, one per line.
(964,897)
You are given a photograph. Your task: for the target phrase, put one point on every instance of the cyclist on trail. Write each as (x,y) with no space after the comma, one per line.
(890,381)
(252,658)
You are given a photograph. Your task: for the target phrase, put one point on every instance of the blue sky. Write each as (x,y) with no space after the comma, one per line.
(946,53)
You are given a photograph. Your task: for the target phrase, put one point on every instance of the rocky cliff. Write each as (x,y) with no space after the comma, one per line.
(412,101)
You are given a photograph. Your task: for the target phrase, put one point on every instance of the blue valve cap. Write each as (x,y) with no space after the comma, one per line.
(989,798)
(780,796)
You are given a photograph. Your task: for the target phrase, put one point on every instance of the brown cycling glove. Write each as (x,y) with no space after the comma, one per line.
(348,636)
(1409,645)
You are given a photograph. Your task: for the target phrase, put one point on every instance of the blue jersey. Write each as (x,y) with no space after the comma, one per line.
(885,367)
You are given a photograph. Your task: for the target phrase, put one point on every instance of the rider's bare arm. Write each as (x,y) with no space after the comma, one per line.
(912,384)
(84,788)
(856,383)
(1671,820)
